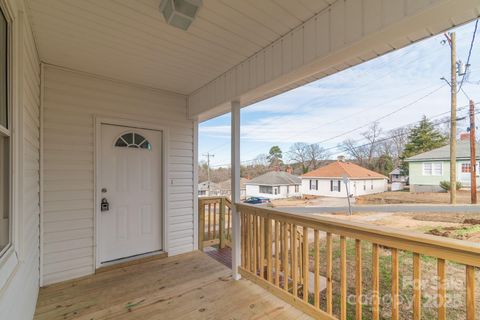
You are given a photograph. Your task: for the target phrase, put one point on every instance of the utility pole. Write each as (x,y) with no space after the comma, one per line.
(473,156)
(453,119)
(208,155)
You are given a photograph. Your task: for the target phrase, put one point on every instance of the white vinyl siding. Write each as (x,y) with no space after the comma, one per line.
(328,187)
(71,102)
(19,296)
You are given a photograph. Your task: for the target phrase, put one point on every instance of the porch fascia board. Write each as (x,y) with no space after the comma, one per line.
(334,39)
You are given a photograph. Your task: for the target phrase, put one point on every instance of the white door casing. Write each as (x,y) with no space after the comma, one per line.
(130,179)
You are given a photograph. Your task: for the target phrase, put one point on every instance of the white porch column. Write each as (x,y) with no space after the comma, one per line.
(235,180)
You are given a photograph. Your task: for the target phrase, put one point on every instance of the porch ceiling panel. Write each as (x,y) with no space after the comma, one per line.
(129,39)
(345,34)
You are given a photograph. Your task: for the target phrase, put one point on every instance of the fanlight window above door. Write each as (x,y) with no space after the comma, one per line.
(133,140)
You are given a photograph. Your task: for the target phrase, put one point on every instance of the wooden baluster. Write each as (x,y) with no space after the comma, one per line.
(209,224)
(343,278)
(293,238)
(375,282)
(470,299)
(277,253)
(285,256)
(201,225)
(358,279)
(229,226)
(417,287)
(395,305)
(306,271)
(221,224)
(243,237)
(316,265)
(261,251)
(269,249)
(214,221)
(442,290)
(329,249)
(255,244)
(249,242)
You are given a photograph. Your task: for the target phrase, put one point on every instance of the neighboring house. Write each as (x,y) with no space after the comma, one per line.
(428,169)
(328,180)
(226,186)
(397,176)
(274,185)
(205,191)
(218,189)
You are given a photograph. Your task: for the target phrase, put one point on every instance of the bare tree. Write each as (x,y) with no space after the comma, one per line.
(315,155)
(365,153)
(299,154)
(308,156)
(394,144)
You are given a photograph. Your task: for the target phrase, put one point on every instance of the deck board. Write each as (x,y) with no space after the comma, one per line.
(188,286)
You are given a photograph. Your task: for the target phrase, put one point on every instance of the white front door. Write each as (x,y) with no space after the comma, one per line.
(130,186)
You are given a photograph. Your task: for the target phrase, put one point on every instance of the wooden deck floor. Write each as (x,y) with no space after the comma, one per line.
(189,286)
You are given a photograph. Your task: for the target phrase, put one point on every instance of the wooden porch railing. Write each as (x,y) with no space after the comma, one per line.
(214,222)
(354,266)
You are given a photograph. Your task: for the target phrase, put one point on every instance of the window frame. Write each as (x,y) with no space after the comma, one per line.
(424,172)
(466,167)
(11,253)
(267,187)
(8,131)
(335,185)
(315,182)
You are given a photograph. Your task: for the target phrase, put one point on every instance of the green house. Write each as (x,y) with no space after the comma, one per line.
(427,169)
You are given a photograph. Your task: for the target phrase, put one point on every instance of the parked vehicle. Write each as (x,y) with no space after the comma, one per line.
(256,200)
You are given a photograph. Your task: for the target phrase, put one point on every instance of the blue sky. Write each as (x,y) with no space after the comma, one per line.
(330,107)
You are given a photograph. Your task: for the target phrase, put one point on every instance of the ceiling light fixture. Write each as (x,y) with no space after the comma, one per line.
(180,13)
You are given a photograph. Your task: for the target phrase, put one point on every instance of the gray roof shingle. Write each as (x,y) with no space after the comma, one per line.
(276,178)
(443,153)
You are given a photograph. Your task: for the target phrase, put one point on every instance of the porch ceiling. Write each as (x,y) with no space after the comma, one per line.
(129,40)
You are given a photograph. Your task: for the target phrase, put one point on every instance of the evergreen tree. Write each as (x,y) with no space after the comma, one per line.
(275,156)
(422,138)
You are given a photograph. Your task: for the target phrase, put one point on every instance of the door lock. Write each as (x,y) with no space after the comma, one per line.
(104,205)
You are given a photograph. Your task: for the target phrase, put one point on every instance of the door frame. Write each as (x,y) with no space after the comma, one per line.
(98,122)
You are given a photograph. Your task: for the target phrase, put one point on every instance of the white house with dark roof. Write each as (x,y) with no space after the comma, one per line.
(274,185)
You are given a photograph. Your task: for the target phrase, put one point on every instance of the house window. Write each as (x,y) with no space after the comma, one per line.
(5,139)
(371,184)
(364,185)
(266,189)
(297,188)
(432,169)
(335,185)
(133,140)
(466,168)
(313,184)
(427,169)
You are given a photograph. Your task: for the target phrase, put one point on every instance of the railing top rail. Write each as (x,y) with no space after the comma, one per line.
(450,249)
(213,198)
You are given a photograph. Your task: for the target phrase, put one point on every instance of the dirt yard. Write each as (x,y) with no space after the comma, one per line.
(459,226)
(463,197)
(452,225)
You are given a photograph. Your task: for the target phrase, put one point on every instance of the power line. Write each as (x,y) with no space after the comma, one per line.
(469,54)
(385,139)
